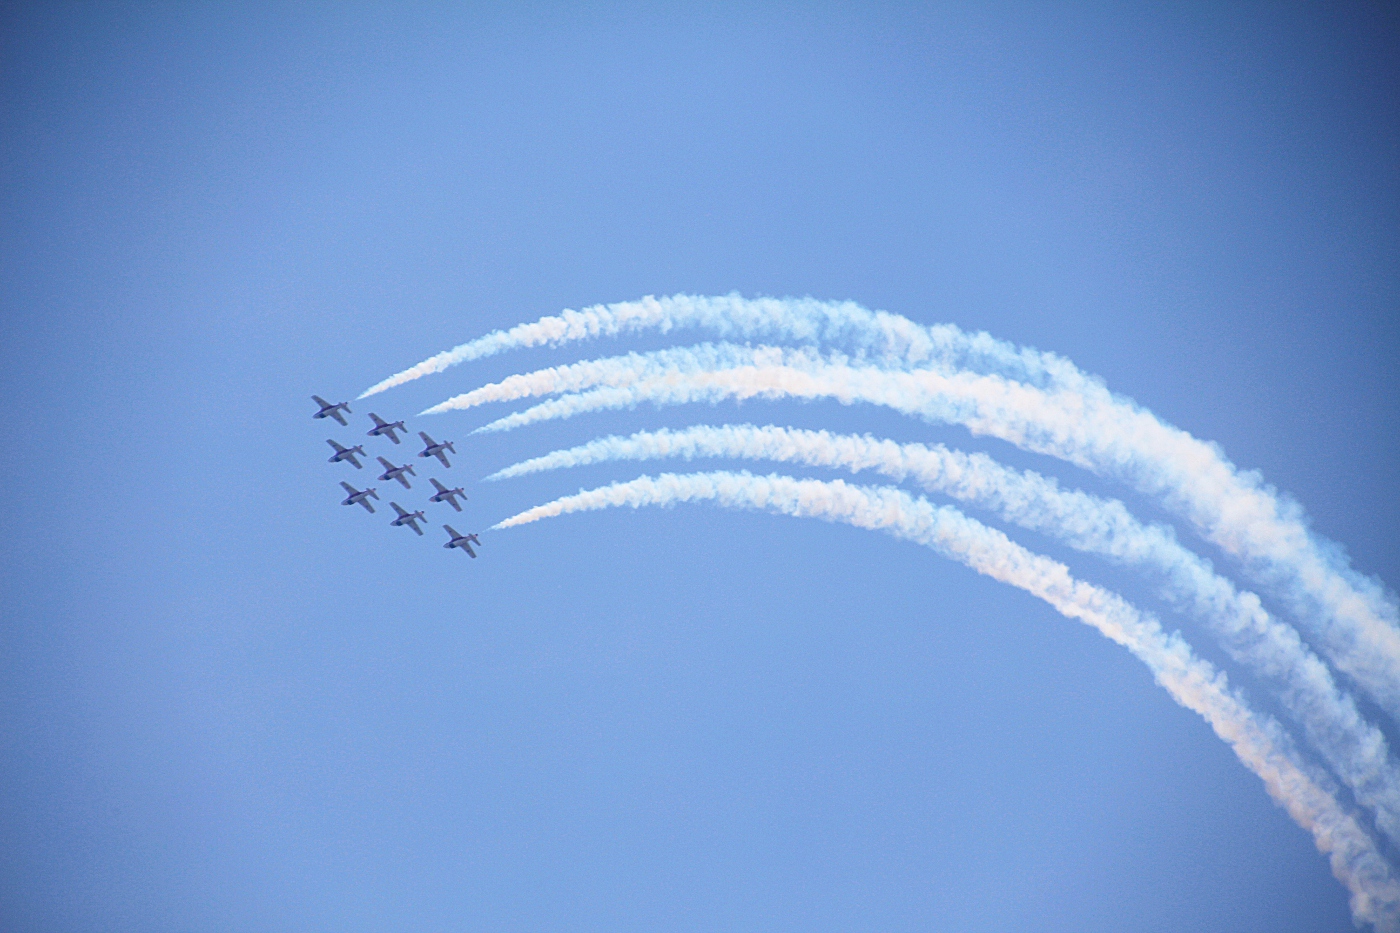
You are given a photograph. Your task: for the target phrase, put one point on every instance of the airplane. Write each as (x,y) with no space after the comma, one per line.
(331,411)
(461,541)
(434,449)
(356,495)
(444,494)
(411,519)
(392,472)
(386,428)
(345,453)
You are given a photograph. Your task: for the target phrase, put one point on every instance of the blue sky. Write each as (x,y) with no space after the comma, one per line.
(230,703)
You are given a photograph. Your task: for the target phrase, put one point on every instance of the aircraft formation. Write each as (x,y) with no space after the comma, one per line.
(392,472)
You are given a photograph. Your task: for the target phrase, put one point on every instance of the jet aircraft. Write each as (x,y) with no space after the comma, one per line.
(331,411)
(386,428)
(444,494)
(411,519)
(460,541)
(434,449)
(392,472)
(345,453)
(358,496)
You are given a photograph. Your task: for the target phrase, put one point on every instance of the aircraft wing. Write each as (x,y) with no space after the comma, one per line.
(413,523)
(436,485)
(398,508)
(468,548)
(378,421)
(443,457)
(351,490)
(453,501)
(338,416)
(365,503)
(403,479)
(351,457)
(385,463)
(334,446)
(320,401)
(392,436)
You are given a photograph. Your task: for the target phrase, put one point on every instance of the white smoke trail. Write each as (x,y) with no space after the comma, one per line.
(635,378)
(622,370)
(1193,682)
(879,336)
(1355,749)
(1230,509)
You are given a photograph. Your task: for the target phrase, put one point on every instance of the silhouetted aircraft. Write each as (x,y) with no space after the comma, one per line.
(331,411)
(357,496)
(460,541)
(435,449)
(345,453)
(411,519)
(444,494)
(386,428)
(396,472)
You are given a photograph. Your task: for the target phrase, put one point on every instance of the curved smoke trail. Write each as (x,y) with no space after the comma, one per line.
(1194,683)
(1229,509)
(1232,508)
(624,370)
(1355,749)
(879,336)
(1036,400)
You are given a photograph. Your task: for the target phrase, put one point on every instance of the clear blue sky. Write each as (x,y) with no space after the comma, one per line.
(228,703)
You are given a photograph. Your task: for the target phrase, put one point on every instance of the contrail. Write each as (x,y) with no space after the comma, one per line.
(637,377)
(879,336)
(624,370)
(1231,509)
(1259,743)
(1355,749)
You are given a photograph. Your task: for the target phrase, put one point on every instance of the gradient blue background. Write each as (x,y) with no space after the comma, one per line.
(227,703)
